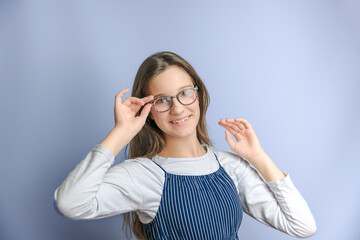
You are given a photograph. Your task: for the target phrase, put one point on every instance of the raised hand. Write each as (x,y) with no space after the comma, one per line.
(247,144)
(125,112)
(127,124)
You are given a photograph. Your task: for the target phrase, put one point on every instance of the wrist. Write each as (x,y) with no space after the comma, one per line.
(258,157)
(116,140)
(266,167)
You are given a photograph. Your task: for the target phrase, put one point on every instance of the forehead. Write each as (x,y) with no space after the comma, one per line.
(170,81)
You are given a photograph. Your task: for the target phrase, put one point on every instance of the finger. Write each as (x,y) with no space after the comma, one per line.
(145,111)
(141,101)
(148,98)
(232,131)
(234,121)
(237,134)
(231,122)
(234,127)
(229,139)
(133,100)
(240,125)
(120,94)
(245,122)
(230,125)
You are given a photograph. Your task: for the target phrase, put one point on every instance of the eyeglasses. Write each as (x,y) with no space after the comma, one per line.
(185,97)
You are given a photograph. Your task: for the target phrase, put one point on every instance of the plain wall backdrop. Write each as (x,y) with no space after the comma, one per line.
(289,67)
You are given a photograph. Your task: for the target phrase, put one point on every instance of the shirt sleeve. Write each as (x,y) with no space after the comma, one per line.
(277,204)
(94,190)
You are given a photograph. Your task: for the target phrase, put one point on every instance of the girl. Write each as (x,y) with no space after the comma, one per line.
(175,185)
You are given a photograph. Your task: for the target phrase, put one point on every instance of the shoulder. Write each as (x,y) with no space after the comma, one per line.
(140,165)
(233,164)
(231,161)
(142,171)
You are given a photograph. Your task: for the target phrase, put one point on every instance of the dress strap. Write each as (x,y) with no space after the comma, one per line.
(217,159)
(159,166)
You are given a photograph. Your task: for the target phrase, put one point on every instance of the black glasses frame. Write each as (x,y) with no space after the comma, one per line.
(171,99)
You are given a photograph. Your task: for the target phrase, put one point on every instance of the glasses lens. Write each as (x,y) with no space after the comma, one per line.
(162,104)
(187,96)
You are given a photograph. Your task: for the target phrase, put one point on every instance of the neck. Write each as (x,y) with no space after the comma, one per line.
(182,148)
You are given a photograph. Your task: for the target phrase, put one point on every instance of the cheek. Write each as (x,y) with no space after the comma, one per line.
(196,107)
(157,117)
(196,111)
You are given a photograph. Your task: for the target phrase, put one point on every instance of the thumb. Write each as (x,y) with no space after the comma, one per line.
(229,139)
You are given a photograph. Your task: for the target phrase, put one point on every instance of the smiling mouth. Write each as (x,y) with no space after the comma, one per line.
(181,120)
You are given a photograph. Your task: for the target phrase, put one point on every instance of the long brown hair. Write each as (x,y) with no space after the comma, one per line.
(150,140)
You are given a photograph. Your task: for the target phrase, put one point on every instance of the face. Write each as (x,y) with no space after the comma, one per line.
(180,121)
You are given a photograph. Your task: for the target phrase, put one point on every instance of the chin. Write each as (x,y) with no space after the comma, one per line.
(180,135)
(177,132)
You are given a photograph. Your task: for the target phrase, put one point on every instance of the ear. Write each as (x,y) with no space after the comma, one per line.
(150,119)
(151,116)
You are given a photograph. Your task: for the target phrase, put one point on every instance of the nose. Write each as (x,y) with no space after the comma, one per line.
(177,107)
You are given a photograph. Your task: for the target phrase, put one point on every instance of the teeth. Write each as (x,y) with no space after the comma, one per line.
(180,121)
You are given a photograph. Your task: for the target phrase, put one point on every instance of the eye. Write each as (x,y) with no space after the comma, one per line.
(162,100)
(187,92)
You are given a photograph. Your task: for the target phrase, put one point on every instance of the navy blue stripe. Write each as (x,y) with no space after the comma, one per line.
(197,207)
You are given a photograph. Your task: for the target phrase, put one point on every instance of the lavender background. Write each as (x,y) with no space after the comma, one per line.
(290,67)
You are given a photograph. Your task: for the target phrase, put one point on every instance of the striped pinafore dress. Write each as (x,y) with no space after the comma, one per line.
(197,207)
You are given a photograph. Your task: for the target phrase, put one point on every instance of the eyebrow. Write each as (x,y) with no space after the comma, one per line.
(179,89)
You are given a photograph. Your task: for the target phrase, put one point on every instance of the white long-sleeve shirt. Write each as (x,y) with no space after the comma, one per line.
(95,190)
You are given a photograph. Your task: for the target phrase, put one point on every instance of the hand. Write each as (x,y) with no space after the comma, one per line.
(247,144)
(125,112)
